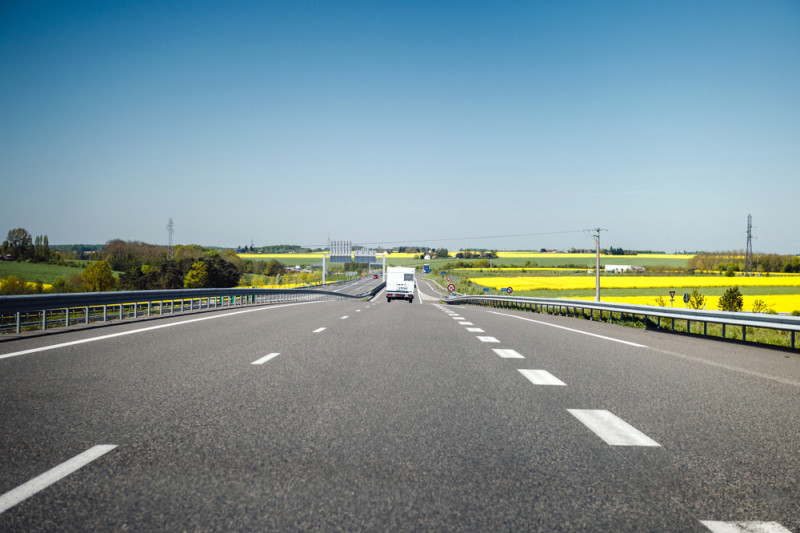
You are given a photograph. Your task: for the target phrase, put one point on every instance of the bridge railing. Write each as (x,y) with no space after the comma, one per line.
(46,311)
(650,314)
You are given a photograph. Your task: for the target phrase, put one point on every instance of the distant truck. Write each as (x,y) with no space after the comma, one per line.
(400,284)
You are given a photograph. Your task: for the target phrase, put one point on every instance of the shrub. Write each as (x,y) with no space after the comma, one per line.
(731,300)
(696,300)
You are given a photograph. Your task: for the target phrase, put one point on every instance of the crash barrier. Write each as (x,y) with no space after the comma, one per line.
(656,317)
(47,311)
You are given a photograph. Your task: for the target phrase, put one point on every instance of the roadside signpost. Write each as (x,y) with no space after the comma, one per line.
(671,298)
(686,298)
(509,290)
(451,287)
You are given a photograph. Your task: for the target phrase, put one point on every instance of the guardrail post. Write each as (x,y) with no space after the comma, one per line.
(792,336)
(688,326)
(148,308)
(66,317)
(705,329)
(723,330)
(135,310)
(105,313)
(744,333)
(121,311)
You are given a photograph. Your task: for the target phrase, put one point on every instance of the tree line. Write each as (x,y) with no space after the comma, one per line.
(732,262)
(142,266)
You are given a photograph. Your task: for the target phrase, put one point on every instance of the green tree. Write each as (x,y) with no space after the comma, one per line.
(97,277)
(731,300)
(696,300)
(197,277)
(18,244)
(442,253)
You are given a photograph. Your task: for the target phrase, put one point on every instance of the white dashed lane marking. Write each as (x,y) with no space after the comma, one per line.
(475,330)
(487,339)
(541,377)
(265,359)
(41,482)
(318,330)
(507,353)
(611,428)
(744,527)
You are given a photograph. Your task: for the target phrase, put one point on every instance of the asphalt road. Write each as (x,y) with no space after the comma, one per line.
(376,416)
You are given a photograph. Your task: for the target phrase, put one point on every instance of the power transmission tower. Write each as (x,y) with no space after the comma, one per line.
(170,230)
(748,255)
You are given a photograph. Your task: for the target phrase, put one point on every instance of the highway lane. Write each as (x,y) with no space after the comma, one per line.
(396,417)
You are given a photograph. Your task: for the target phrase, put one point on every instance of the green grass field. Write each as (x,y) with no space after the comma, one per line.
(39,271)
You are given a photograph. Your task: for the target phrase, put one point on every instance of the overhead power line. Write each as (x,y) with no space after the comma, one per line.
(484,237)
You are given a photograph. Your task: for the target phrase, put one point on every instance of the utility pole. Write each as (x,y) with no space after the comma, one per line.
(597,263)
(170,230)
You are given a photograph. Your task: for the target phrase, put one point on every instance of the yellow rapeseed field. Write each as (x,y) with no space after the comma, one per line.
(780,303)
(621,259)
(527,283)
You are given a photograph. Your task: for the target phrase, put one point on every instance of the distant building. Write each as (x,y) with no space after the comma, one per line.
(618,269)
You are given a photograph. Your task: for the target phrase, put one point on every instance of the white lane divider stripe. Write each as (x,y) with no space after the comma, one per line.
(466,323)
(541,377)
(149,328)
(265,359)
(611,428)
(487,339)
(744,527)
(345,316)
(475,330)
(570,329)
(41,482)
(508,353)
(318,330)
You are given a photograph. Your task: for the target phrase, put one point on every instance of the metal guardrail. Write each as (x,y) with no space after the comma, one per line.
(43,311)
(725,318)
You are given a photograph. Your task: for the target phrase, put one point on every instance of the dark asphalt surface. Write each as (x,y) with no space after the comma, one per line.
(395,418)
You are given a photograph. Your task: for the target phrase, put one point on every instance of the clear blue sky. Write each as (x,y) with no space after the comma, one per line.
(666,123)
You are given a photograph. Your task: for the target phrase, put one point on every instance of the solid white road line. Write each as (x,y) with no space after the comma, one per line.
(487,339)
(570,329)
(744,527)
(475,330)
(318,330)
(265,359)
(506,353)
(611,428)
(25,491)
(142,330)
(541,377)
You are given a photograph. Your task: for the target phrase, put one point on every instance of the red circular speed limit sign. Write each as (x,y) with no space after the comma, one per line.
(509,290)
(451,287)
